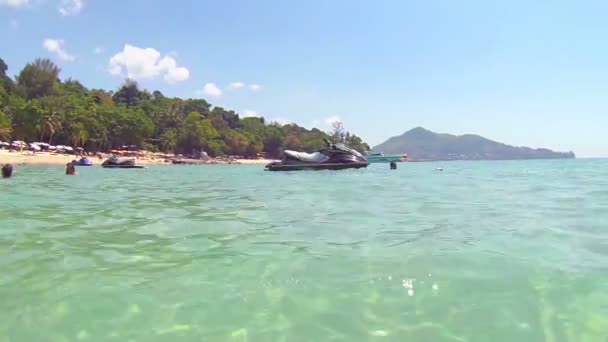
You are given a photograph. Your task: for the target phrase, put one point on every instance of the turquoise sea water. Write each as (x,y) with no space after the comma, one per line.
(483,251)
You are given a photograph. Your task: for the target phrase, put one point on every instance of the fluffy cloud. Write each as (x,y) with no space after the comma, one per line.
(237,85)
(14,3)
(331,119)
(139,64)
(71,7)
(255,87)
(98,50)
(282,121)
(326,123)
(210,89)
(56,46)
(248,113)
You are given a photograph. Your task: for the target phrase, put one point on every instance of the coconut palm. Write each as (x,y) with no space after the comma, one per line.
(78,134)
(50,123)
(6,128)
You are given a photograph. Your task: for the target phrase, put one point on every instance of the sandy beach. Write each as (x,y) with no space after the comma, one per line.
(44,158)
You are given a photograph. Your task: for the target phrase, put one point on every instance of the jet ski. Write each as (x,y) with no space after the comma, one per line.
(84,161)
(120,163)
(333,157)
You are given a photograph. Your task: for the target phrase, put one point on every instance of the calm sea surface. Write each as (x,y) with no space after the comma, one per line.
(483,251)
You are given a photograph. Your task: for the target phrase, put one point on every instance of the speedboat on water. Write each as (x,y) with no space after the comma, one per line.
(373,157)
(333,157)
(120,163)
(84,161)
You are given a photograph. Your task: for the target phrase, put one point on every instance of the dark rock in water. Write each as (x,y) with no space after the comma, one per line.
(421,145)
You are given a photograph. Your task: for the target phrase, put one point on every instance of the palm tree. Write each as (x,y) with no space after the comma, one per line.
(78,134)
(50,123)
(6,128)
(5,133)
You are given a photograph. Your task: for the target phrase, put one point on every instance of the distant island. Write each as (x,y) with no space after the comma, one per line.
(421,144)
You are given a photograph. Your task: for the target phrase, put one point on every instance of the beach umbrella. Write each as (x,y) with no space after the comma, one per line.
(51,147)
(68,148)
(35,147)
(79,149)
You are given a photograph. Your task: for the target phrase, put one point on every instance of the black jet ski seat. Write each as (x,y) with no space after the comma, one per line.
(316,157)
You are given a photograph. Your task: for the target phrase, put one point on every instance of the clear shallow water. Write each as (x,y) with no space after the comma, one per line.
(484,251)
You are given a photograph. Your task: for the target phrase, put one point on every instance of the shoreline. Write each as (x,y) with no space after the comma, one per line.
(53,159)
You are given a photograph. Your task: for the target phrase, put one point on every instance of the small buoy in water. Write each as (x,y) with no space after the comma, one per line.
(439,169)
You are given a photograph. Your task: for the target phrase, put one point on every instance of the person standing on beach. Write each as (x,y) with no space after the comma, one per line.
(7,170)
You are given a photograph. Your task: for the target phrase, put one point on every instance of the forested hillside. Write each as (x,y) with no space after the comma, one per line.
(38,106)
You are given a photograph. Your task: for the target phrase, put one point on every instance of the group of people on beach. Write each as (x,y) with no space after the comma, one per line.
(7,170)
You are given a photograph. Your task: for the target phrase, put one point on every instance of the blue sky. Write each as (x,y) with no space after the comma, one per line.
(528,73)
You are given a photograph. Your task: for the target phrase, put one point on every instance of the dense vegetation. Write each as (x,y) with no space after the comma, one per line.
(422,144)
(38,106)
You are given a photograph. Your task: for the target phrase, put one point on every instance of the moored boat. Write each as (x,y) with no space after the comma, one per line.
(375,157)
(120,163)
(84,161)
(333,157)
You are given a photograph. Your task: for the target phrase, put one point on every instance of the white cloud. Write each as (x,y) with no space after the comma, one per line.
(210,89)
(282,121)
(248,113)
(71,7)
(98,50)
(14,3)
(325,124)
(237,85)
(56,46)
(331,119)
(139,63)
(255,87)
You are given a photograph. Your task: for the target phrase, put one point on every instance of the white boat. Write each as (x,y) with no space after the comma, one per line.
(374,157)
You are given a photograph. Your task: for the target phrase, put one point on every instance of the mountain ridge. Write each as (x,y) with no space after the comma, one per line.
(421,144)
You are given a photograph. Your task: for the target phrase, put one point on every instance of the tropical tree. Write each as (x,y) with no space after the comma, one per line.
(40,106)
(79,135)
(338,132)
(169,140)
(129,94)
(49,123)
(6,83)
(26,118)
(38,79)
(197,132)
(6,127)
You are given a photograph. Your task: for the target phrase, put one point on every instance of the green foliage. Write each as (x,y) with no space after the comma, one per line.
(168,140)
(341,135)
(6,126)
(6,83)
(39,106)
(129,94)
(78,134)
(196,134)
(38,79)
(26,119)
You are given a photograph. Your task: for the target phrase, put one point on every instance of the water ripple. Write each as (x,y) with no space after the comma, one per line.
(501,251)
